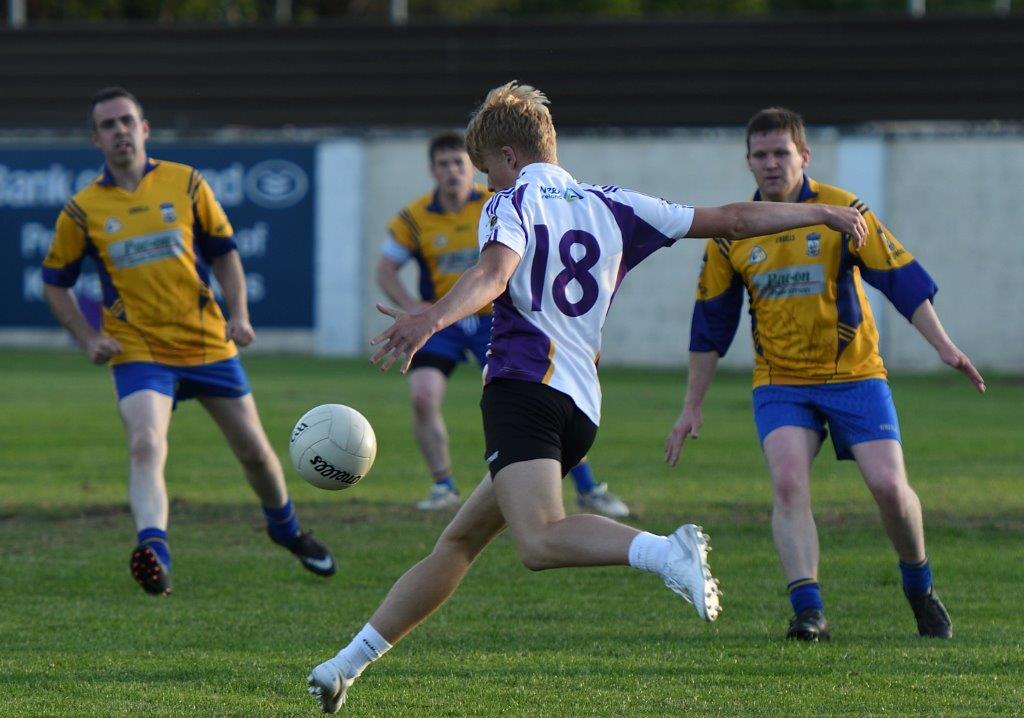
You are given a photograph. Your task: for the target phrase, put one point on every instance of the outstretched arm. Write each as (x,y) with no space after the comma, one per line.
(478,286)
(926,321)
(752,219)
(98,346)
(702,371)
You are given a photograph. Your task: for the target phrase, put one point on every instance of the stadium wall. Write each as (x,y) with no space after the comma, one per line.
(951,197)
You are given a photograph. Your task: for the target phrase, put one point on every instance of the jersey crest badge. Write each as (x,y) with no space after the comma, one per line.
(167,210)
(757,255)
(813,244)
(440,241)
(113,225)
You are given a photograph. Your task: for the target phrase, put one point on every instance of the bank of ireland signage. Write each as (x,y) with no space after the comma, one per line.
(266,190)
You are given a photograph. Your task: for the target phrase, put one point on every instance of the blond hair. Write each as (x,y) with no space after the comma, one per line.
(516,116)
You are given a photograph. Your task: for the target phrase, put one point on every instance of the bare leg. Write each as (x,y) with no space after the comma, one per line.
(789,451)
(427,387)
(881,464)
(530,496)
(147,415)
(428,584)
(240,423)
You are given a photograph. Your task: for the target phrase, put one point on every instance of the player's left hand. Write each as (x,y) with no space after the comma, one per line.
(959,361)
(241,332)
(405,336)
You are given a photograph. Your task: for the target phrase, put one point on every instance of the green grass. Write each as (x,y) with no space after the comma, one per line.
(245,623)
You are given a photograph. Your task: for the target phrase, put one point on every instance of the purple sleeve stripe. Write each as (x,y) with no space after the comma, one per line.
(639,239)
(906,287)
(517,204)
(715,320)
(65,276)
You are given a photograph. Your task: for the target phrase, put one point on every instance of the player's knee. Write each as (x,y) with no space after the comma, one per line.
(147,445)
(425,404)
(791,489)
(889,487)
(535,554)
(256,456)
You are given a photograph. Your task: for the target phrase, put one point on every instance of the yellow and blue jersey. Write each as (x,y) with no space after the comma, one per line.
(152,248)
(444,244)
(810,319)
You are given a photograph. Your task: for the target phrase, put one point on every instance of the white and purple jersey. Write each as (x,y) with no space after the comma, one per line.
(576,242)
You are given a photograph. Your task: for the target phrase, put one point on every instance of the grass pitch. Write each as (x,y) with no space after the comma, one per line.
(246,622)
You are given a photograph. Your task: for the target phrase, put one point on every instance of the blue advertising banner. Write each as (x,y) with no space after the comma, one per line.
(266,190)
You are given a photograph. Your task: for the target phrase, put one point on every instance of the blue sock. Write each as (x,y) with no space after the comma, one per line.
(448,481)
(583,477)
(917,578)
(805,593)
(282,525)
(156,539)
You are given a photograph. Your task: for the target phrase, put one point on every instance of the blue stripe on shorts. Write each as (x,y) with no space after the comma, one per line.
(854,411)
(223,379)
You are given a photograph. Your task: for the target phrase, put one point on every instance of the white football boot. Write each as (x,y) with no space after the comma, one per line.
(440,498)
(687,573)
(602,501)
(329,686)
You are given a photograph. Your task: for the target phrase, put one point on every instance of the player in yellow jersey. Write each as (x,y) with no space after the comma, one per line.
(438,231)
(817,364)
(155,230)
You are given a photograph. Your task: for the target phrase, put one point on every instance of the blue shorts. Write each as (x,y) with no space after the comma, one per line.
(855,411)
(224,378)
(450,345)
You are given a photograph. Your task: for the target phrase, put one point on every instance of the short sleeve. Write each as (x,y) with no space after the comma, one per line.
(213,231)
(405,231)
(716,313)
(647,223)
(501,221)
(889,267)
(63,261)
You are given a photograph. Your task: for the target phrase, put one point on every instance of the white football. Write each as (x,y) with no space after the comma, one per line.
(333,446)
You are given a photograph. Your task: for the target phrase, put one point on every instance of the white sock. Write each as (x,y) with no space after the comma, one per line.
(366,647)
(649,552)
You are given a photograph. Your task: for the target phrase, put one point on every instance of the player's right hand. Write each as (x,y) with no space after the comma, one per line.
(848,221)
(101,347)
(687,425)
(405,336)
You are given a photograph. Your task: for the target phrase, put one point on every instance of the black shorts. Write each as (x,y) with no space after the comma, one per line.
(525,420)
(443,364)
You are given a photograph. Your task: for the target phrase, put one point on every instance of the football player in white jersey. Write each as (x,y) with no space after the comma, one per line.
(553,251)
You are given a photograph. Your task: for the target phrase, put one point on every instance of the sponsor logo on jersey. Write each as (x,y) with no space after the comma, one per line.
(138,210)
(492,220)
(113,225)
(813,244)
(330,471)
(800,281)
(167,211)
(147,248)
(757,255)
(457,262)
(550,193)
(571,195)
(783,238)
